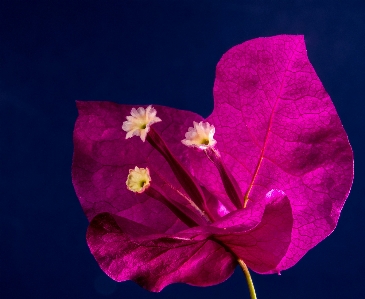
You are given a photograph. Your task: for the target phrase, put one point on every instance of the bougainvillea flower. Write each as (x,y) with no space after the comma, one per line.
(263,179)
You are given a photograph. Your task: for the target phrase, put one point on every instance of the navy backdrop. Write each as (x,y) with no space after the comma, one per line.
(162,52)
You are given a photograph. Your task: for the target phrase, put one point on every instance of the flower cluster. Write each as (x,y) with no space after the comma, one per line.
(259,182)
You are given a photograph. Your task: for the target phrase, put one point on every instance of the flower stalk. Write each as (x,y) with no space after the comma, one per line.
(229,182)
(251,288)
(201,136)
(186,180)
(152,192)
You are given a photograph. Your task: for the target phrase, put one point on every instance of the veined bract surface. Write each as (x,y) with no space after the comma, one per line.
(278,136)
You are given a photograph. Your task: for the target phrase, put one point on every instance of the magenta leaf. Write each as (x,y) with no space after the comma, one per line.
(281,149)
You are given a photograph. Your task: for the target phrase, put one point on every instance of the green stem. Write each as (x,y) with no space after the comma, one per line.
(251,288)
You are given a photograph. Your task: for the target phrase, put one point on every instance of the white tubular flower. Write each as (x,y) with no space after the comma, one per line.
(139,122)
(201,136)
(138,179)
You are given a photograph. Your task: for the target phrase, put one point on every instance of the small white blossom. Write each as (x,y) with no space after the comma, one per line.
(139,122)
(138,179)
(201,136)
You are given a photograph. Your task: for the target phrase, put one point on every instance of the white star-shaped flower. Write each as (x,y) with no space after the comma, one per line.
(201,136)
(139,122)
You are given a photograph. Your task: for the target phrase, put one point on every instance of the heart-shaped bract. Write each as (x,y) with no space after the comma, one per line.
(281,143)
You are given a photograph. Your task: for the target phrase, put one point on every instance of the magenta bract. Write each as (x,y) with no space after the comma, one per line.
(281,147)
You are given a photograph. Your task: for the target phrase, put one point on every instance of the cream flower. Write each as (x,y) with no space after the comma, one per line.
(139,122)
(138,179)
(201,136)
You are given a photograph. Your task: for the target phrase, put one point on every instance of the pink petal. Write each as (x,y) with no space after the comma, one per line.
(200,256)
(126,250)
(260,244)
(277,128)
(263,247)
(103,157)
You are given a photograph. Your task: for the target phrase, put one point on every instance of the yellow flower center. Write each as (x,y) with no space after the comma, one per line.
(138,179)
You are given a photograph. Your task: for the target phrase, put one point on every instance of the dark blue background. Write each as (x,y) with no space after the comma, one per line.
(163,52)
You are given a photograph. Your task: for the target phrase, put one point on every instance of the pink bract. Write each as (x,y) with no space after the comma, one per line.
(279,135)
